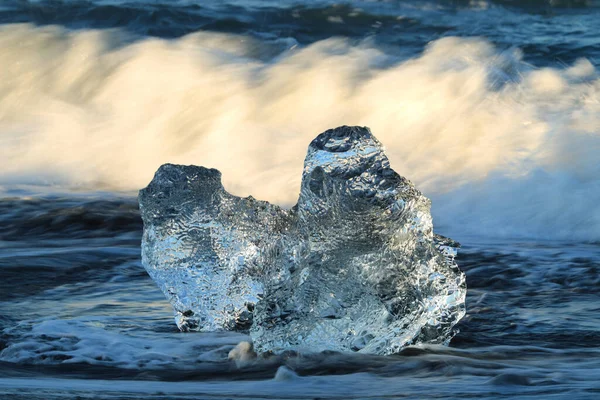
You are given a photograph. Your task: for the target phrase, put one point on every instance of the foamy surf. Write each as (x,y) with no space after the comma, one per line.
(501,147)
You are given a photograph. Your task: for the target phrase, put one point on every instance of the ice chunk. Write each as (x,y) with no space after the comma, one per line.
(204,247)
(354,266)
(367,274)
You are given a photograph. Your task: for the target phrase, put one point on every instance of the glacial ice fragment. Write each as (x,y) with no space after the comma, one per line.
(354,266)
(204,247)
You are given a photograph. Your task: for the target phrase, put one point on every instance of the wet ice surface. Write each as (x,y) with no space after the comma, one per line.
(354,266)
(203,246)
(88,321)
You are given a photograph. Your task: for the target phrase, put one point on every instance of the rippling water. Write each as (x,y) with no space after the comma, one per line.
(492,108)
(79,310)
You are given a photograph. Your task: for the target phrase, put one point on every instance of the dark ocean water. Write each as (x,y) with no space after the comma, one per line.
(79,315)
(548,31)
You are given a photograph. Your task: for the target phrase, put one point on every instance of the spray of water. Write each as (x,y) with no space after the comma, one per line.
(501,147)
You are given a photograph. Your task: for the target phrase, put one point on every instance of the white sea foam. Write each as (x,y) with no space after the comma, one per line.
(95,341)
(502,148)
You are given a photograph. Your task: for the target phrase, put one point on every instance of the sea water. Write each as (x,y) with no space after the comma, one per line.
(491,108)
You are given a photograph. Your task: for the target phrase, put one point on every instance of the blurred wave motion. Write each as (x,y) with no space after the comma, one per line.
(505,148)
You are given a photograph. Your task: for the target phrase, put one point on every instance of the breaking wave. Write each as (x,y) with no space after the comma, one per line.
(501,147)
